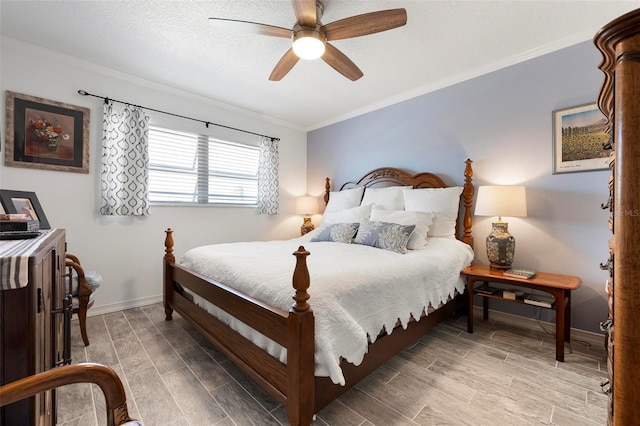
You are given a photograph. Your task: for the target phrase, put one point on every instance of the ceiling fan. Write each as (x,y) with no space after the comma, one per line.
(310,37)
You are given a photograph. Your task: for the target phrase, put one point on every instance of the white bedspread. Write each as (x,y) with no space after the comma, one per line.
(355,290)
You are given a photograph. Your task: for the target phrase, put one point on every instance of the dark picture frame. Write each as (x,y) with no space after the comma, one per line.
(45,134)
(578,139)
(24,202)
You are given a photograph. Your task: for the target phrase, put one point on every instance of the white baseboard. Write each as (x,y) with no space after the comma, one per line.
(121,306)
(532,324)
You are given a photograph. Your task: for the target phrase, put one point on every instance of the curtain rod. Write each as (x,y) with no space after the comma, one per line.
(206,123)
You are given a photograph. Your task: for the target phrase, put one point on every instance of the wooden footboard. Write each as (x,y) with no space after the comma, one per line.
(293,383)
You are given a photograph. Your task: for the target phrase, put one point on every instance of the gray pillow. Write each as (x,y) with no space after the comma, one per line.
(388,236)
(337,232)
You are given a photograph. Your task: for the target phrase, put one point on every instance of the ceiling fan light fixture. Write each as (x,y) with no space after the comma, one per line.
(308,43)
(309,36)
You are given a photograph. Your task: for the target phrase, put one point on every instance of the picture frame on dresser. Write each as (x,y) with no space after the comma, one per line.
(46,134)
(15,202)
(578,138)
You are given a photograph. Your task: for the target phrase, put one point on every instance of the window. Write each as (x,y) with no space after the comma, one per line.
(187,168)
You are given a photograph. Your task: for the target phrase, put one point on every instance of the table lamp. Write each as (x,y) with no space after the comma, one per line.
(501,201)
(307,206)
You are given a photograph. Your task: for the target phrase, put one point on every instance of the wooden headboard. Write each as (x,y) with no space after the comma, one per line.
(390,176)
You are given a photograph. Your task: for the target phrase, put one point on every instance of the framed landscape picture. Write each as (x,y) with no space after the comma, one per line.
(44,134)
(578,139)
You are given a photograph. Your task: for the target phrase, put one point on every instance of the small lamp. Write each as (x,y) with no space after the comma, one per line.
(501,201)
(307,206)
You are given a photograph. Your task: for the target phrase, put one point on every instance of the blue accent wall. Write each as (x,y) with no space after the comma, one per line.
(503,122)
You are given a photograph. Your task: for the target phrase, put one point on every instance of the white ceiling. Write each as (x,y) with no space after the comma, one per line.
(171,42)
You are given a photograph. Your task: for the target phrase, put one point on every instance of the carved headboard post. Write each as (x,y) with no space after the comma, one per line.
(327,190)
(467,195)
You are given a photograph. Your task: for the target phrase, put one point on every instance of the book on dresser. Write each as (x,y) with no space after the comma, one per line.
(542,300)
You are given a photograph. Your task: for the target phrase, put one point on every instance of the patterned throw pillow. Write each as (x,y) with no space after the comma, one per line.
(388,236)
(421,220)
(337,232)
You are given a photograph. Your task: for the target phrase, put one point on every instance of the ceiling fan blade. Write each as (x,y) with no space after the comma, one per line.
(284,65)
(305,11)
(367,23)
(250,27)
(341,63)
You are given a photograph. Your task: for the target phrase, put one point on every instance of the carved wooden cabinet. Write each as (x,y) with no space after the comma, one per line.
(34,328)
(619,100)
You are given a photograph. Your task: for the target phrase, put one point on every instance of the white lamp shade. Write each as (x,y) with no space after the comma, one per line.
(307,205)
(503,200)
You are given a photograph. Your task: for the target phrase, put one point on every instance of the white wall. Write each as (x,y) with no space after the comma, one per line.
(128,251)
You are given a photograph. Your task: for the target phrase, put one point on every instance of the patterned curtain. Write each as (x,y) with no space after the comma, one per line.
(125,162)
(268,177)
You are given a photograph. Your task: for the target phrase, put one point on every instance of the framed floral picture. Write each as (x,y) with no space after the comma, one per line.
(578,139)
(44,134)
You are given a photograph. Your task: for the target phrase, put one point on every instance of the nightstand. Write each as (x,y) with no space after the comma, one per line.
(559,286)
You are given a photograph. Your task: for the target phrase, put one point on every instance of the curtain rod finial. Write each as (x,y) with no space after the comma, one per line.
(82,92)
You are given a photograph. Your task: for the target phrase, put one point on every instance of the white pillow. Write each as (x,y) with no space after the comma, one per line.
(421,220)
(390,198)
(442,202)
(346,199)
(354,214)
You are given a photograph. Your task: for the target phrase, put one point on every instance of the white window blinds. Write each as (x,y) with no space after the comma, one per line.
(187,168)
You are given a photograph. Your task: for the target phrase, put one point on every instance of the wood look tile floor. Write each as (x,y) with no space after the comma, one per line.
(500,375)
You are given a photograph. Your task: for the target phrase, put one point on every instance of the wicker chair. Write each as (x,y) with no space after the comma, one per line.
(104,377)
(82,287)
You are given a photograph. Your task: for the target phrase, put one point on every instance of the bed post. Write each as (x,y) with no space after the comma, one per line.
(168,285)
(327,190)
(300,348)
(467,194)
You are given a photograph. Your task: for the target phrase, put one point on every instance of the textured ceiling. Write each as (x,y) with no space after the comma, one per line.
(171,42)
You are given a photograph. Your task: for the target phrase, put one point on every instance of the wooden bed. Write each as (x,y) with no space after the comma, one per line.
(294,383)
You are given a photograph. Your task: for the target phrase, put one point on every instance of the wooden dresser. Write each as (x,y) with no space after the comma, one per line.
(34,328)
(619,100)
